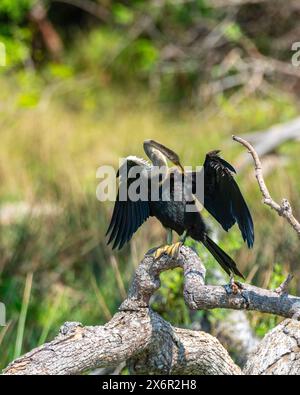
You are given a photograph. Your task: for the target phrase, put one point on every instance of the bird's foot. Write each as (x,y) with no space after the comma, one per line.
(172,250)
(233,287)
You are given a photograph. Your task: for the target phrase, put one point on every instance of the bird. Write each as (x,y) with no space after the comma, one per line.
(180,211)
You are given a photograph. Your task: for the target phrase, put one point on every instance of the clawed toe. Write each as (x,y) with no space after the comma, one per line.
(233,287)
(171,250)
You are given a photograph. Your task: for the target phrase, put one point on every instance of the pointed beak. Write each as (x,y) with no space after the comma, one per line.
(169,154)
(180,167)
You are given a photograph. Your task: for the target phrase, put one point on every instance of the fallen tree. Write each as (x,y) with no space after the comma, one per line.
(149,344)
(267,141)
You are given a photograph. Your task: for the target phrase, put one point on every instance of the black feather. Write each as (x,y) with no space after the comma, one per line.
(127,215)
(223,198)
(221,257)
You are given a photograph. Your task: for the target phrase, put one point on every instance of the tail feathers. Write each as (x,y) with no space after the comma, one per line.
(221,257)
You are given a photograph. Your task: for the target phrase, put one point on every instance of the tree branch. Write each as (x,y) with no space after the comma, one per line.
(135,334)
(284,209)
(141,337)
(278,352)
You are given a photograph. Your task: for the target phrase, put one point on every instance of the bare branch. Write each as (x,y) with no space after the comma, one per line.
(248,298)
(283,288)
(284,209)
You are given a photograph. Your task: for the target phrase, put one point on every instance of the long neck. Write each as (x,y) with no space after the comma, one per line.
(158,160)
(156,157)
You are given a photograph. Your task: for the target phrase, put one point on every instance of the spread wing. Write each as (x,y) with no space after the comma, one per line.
(128,215)
(223,198)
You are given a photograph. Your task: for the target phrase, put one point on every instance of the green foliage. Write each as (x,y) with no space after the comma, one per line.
(277,276)
(121,51)
(262,325)
(58,72)
(122,14)
(232,32)
(153,44)
(15,32)
(16,44)
(169,301)
(15,10)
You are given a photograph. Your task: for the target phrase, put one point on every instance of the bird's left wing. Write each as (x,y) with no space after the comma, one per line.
(128,215)
(223,198)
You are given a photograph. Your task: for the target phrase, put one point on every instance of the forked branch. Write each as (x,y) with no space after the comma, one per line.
(141,337)
(284,209)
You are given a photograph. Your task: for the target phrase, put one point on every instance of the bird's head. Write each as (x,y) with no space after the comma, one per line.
(167,152)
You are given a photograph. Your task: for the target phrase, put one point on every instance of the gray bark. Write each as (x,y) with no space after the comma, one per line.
(143,339)
(278,353)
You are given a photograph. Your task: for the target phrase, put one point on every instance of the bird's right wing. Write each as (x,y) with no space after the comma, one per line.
(127,215)
(223,198)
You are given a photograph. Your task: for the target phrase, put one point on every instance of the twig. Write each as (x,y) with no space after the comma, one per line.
(283,287)
(284,209)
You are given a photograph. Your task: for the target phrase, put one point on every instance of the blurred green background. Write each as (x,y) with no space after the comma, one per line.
(84,82)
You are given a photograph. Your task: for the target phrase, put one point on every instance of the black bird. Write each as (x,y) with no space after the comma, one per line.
(221,198)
